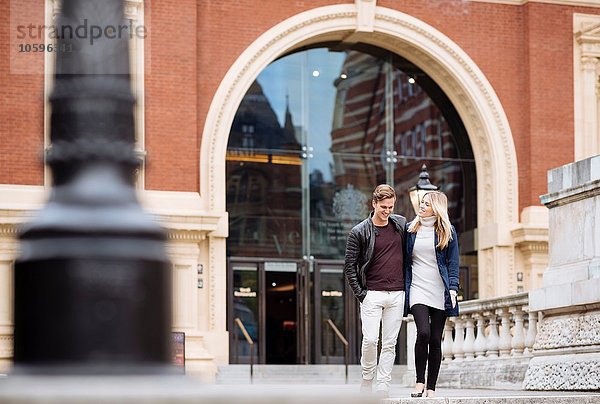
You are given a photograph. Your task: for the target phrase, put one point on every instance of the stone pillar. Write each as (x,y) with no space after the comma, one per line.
(566,352)
(589,66)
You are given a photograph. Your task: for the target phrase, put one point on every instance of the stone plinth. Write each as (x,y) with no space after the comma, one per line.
(567,345)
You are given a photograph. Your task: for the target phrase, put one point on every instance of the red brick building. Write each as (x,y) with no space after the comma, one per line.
(514,80)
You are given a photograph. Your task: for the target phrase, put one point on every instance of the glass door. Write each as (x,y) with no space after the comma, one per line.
(334,305)
(281,320)
(265,295)
(244,304)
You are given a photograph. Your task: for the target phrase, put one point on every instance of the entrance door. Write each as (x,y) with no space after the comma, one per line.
(264,295)
(281,312)
(284,306)
(334,304)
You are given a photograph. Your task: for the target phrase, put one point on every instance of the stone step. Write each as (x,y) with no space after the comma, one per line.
(84,389)
(295,374)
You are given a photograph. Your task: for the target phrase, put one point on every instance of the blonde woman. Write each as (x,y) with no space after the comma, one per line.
(431,263)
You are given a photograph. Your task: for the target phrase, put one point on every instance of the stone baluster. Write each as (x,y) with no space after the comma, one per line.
(504,345)
(531,332)
(459,337)
(469,343)
(447,343)
(480,339)
(493,340)
(518,339)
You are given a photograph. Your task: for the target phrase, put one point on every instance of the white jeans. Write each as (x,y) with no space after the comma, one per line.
(387,308)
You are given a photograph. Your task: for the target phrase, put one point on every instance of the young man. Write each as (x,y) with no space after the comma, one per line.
(373,266)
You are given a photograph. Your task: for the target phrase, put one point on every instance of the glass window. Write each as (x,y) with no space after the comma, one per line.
(318,130)
(245,308)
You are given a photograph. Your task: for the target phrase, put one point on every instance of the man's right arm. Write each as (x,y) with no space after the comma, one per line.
(351,258)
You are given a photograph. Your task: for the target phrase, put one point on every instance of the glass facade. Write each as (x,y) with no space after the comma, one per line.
(313,136)
(318,130)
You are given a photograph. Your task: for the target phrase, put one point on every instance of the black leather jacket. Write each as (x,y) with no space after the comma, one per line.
(359,251)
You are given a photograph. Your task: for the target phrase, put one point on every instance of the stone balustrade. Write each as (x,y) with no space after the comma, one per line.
(488,345)
(490,328)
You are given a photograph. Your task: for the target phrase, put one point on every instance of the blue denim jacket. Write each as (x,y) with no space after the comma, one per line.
(448,262)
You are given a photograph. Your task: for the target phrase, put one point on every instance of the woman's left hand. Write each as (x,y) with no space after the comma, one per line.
(453,294)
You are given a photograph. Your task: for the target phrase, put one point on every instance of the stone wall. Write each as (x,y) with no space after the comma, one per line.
(567,345)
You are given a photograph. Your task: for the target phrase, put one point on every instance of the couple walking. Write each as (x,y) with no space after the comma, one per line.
(394,268)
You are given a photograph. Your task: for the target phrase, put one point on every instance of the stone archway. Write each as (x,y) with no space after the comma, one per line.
(443,60)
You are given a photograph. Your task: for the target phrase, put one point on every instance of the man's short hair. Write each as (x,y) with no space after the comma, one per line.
(383,191)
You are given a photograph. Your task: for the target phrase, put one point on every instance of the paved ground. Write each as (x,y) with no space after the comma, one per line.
(395,391)
(35,389)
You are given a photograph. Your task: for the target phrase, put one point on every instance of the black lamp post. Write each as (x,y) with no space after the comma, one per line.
(423,186)
(93,282)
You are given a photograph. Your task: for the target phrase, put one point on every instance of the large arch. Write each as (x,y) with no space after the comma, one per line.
(437,55)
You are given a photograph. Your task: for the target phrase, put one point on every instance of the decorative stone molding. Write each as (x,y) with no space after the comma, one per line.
(9,230)
(441,58)
(6,346)
(365,15)
(569,331)
(579,372)
(531,238)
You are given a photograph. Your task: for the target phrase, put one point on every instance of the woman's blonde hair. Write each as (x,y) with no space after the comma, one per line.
(443,229)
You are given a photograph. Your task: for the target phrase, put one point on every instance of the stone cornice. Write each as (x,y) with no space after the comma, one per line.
(186,235)
(8,229)
(529,235)
(178,212)
(571,195)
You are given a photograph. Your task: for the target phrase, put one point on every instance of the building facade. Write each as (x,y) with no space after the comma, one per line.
(258,169)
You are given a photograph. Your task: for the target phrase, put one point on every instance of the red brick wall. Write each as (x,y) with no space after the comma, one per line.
(526,52)
(171,86)
(22,100)
(220,44)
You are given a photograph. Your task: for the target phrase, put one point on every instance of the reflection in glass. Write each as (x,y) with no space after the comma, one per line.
(280,322)
(245,307)
(306,150)
(332,308)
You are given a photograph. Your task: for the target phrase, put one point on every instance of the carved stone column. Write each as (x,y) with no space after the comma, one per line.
(589,65)
(531,238)
(586,74)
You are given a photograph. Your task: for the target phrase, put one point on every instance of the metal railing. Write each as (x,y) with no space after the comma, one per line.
(238,324)
(343,340)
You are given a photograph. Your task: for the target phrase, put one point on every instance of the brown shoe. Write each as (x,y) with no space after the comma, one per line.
(366,386)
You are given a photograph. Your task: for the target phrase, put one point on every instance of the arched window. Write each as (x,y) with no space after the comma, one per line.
(323,126)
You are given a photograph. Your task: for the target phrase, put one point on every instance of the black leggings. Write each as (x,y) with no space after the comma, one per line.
(428,348)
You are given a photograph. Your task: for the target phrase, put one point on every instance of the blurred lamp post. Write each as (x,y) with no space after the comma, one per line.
(92,282)
(423,186)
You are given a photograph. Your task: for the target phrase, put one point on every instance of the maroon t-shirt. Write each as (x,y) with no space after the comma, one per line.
(385,270)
